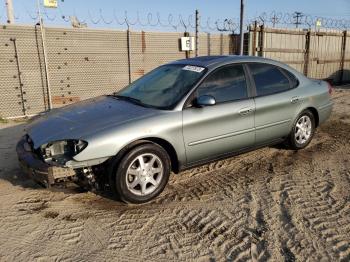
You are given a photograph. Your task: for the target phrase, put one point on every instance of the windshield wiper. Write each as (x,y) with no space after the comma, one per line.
(126,98)
(130,99)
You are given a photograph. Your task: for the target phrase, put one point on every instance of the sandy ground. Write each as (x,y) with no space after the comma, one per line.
(270,204)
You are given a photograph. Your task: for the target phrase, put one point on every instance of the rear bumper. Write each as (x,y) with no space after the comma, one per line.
(38,170)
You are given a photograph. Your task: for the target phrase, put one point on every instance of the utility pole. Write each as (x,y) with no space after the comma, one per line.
(43,39)
(241,28)
(9,8)
(197,31)
(274,20)
(297,16)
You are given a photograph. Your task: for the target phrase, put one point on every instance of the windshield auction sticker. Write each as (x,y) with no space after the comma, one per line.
(197,69)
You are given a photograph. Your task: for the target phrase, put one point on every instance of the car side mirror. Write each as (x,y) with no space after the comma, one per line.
(205,100)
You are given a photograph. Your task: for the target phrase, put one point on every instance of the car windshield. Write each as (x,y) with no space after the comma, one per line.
(163,87)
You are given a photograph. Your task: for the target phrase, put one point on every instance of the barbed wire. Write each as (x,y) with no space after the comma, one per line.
(299,19)
(175,22)
(187,23)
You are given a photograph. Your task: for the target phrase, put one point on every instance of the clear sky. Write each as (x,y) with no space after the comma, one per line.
(89,10)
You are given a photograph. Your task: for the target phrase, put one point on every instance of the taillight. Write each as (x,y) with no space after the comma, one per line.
(330,88)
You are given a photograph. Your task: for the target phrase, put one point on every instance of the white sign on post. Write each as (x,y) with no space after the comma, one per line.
(187,43)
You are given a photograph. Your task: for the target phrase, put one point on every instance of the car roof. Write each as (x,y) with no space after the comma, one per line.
(212,62)
(217,60)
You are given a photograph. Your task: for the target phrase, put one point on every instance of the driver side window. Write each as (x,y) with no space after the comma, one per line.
(225,84)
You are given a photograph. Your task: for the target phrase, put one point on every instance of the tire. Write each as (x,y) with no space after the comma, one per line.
(141,174)
(303,131)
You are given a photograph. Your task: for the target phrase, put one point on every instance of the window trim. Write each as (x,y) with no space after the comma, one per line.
(284,71)
(279,69)
(250,93)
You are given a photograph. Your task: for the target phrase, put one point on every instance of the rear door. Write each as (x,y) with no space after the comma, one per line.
(276,101)
(228,125)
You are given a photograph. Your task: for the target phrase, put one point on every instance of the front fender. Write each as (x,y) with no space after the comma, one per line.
(108,143)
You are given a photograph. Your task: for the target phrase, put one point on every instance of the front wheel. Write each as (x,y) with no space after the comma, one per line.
(303,130)
(142,174)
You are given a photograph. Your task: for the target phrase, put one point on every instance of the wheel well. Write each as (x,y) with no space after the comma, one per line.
(161,142)
(315,113)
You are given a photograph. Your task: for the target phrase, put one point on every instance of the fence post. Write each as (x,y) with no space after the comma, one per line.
(208,43)
(343,48)
(262,40)
(254,38)
(187,53)
(197,31)
(221,44)
(128,44)
(307,52)
(24,110)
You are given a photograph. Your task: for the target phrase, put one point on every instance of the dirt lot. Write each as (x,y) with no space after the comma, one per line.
(270,204)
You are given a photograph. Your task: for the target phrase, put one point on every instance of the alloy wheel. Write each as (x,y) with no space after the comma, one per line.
(303,129)
(144,174)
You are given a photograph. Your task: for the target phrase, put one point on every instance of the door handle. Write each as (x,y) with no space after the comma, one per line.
(245,111)
(295,99)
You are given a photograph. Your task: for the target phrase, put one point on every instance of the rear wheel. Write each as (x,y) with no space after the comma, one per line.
(303,130)
(142,173)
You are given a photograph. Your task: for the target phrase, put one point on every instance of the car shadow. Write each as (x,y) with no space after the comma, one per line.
(10,171)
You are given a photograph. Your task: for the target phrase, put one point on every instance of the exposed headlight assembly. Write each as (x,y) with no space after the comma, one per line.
(62,151)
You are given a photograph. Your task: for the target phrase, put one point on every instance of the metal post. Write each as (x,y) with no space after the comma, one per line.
(9,9)
(241,28)
(187,53)
(208,43)
(307,52)
(343,48)
(254,38)
(221,44)
(197,30)
(129,52)
(41,22)
(23,101)
(262,41)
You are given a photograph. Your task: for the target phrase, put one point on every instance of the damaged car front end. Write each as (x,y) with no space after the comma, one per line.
(53,163)
(46,164)
(74,143)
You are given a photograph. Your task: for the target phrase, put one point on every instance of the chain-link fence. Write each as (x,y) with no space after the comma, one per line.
(83,63)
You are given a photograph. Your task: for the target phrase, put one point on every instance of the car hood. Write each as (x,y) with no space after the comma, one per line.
(84,118)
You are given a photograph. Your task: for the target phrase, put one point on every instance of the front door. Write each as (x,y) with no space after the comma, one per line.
(227,126)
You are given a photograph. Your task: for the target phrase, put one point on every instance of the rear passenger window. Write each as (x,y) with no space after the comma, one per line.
(268,79)
(294,81)
(225,84)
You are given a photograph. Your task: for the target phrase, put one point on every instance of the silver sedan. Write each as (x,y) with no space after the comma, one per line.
(180,115)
